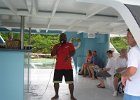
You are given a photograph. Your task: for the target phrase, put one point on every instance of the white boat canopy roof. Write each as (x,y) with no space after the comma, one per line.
(89,16)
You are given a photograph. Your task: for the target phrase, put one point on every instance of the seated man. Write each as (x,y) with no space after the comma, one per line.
(121,64)
(108,71)
(93,65)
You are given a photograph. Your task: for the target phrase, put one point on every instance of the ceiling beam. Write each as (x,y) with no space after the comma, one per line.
(34,6)
(8,4)
(6,12)
(97,10)
(53,13)
(28,4)
(74,17)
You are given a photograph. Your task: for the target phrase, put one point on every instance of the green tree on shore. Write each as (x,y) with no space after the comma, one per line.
(119,43)
(41,43)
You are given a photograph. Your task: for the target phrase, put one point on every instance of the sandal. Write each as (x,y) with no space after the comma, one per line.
(99,86)
(80,74)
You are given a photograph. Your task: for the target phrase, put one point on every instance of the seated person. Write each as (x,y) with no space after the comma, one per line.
(93,65)
(121,64)
(12,43)
(108,71)
(10,38)
(85,65)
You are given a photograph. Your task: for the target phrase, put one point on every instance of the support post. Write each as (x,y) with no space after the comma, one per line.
(29,40)
(22,31)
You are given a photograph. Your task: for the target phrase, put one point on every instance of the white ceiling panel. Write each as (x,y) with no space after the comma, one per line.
(73,6)
(68,15)
(109,11)
(2,4)
(46,5)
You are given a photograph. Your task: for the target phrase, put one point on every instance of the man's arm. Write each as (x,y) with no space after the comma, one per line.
(121,69)
(130,71)
(70,55)
(71,52)
(55,50)
(106,69)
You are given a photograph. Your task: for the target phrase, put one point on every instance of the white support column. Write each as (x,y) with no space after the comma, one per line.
(22,31)
(29,40)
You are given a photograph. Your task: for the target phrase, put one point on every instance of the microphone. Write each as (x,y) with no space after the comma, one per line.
(61,42)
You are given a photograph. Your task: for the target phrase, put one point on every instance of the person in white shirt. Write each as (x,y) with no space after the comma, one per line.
(131,77)
(121,64)
(108,71)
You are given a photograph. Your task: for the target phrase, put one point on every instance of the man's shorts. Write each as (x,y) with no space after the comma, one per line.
(130,97)
(58,76)
(103,74)
(118,75)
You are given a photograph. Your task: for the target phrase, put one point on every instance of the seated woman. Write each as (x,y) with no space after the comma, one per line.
(108,71)
(121,64)
(86,64)
(93,65)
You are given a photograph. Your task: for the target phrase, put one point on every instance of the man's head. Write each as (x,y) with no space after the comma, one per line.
(130,39)
(123,53)
(94,53)
(109,53)
(63,38)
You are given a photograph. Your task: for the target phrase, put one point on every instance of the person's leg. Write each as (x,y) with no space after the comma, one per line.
(57,79)
(91,68)
(71,89)
(115,83)
(82,69)
(68,74)
(101,82)
(56,88)
(85,65)
(89,74)
(99,77)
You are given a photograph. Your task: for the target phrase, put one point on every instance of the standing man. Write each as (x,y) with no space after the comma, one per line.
(131,77)
(63,52)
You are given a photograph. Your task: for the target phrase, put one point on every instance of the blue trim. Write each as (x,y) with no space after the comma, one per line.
(4,30)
